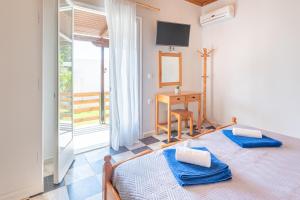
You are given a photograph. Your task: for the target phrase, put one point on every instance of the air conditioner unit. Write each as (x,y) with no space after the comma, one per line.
(221,14)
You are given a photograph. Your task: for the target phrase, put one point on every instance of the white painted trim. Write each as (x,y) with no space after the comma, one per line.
(148,133)
(66,8)
(86,35)
(70,2)
(65,37)
(89,8)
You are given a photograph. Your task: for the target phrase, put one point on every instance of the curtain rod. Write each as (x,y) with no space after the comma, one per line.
(147,6)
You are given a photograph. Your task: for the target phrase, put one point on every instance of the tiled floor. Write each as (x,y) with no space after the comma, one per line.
(84,179)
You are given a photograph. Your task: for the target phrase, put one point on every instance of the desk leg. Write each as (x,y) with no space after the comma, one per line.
(156,115)
(199,116)
(169,123)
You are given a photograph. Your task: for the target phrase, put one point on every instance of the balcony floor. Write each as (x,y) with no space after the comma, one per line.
(90,137)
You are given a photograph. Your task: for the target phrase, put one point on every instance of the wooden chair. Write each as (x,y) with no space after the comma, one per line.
(182,115)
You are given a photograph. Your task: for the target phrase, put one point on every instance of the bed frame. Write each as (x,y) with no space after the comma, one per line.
(109,192)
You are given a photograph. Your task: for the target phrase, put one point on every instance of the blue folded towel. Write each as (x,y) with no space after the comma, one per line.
(222,176)
(189,174)
(248,142)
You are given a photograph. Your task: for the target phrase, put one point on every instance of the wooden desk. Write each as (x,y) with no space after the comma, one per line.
(170,98)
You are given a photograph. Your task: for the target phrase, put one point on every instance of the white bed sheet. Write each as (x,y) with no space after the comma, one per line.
(260,173)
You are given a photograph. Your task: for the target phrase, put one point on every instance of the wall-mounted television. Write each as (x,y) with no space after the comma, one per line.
(173,34)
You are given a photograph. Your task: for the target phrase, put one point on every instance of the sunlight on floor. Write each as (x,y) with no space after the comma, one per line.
(90,141)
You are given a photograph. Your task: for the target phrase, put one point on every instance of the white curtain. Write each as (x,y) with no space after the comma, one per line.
(124,72)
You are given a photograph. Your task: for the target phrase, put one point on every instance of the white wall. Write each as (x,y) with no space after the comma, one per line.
(256,64)
(21,99)
(181,12)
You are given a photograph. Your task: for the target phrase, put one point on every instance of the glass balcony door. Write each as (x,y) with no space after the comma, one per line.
(65,152)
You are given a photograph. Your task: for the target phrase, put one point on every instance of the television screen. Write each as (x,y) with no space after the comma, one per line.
(172,34)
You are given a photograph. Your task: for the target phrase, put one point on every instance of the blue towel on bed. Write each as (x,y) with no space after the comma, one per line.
(249,142)
(190,174)
(222,176)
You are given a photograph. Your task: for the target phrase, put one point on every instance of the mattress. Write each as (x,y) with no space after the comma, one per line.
(260,173)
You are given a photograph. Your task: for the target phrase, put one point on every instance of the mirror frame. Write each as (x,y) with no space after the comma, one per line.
(169,54)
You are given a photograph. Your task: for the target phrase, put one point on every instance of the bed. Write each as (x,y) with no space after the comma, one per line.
(260,173)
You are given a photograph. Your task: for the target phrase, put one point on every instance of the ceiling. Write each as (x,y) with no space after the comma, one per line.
(90,24)
(201,2)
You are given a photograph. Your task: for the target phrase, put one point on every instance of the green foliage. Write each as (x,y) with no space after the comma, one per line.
(65,71)
(65,80)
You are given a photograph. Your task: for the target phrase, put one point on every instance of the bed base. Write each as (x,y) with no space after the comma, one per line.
(109,192)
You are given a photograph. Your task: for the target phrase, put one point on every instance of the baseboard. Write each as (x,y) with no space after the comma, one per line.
(148,133)
(23,193)
(153,132)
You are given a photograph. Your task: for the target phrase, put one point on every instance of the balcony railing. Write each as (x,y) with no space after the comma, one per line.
(87,107)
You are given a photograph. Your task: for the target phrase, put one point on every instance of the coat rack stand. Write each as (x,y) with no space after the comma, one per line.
(205,53)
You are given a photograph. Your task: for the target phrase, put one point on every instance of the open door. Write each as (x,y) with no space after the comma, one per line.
(65,152)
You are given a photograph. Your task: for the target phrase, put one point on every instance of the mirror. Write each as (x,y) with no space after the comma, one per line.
(170,69)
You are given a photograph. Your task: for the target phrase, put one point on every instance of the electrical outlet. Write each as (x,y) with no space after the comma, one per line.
(149,101)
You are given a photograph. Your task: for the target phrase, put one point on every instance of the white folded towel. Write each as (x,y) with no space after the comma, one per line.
(246,132)
(193,156)
(187,143)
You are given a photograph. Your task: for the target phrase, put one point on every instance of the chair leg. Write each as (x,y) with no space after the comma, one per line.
(169,123)
(186,108)
(179,127)
(191,125)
